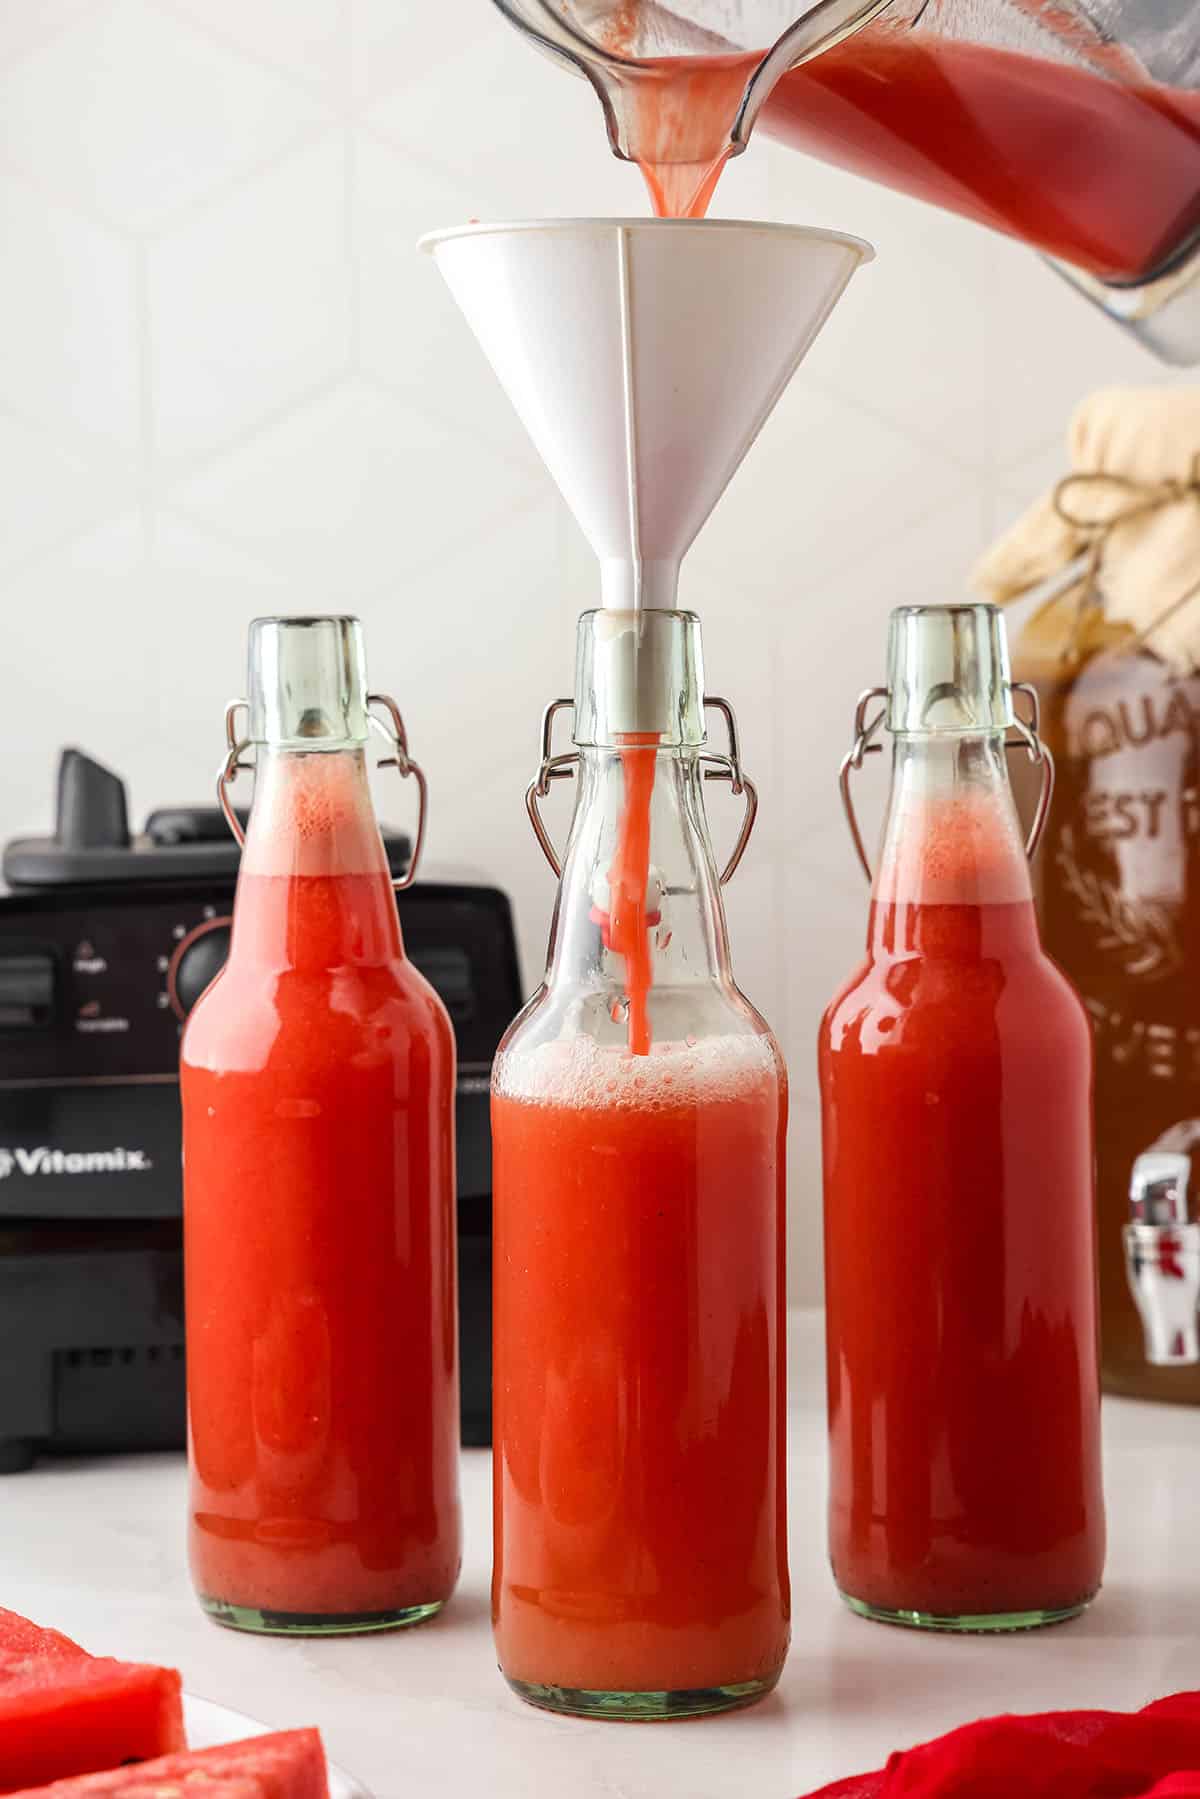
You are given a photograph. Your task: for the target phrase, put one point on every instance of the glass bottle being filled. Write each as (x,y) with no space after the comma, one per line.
(956,1083)
(638,1117)
(317,1083)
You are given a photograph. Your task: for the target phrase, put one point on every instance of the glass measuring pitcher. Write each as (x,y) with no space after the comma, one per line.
(1073,125)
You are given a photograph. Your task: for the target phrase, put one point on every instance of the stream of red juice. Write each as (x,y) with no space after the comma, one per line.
(684,107)
(1102,172)
(628,926)
(682,112)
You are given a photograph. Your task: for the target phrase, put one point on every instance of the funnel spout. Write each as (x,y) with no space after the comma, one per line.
(643,357)
(627,586)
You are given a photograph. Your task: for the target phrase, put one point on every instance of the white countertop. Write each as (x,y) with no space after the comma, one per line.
(96,1549)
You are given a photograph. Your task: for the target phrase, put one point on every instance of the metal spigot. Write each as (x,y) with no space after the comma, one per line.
(1162,1257)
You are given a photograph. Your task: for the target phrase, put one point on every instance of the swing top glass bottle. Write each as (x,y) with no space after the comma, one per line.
(317,1085)
(639,1113)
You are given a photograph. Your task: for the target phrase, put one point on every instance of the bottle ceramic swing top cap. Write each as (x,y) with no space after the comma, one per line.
(307,683)
(948,670)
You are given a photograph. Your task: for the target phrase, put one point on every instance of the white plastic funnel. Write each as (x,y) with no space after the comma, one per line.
(644,356)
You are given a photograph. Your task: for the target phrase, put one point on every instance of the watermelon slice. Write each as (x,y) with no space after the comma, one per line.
(288,1765)
(19,1636)
(63,1711)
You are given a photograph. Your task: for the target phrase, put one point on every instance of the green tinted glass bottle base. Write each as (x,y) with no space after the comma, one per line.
(979,1624)
(643,1708)
(314,1624)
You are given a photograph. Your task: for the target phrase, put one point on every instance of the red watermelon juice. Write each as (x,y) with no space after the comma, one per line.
(319,1234)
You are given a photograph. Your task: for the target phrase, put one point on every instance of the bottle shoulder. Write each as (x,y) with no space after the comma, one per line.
(250,1011)
(1021,1003)
(855,989)
(565,1011)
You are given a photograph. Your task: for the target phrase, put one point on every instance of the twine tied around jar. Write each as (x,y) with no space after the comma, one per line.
(1118,536)
(1132,500)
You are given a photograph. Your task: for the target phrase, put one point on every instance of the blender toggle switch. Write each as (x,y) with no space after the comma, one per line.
(26,990)
(1162,1258)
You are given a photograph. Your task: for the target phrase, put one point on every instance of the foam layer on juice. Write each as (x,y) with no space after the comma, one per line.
(585,1075)
(312,815)
(961,849)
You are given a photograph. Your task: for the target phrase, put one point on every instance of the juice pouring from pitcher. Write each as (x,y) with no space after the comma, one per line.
(1081,138)
(985,129)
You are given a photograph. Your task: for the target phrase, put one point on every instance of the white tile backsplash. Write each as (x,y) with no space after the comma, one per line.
(136,114)
(22,26)
(250,302)
(526,139)
(353,494)
(69,351)
(407,334)
(307,39)
(228,384)
(47,495)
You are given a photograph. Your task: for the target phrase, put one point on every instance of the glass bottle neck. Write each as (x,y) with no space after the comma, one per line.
(639,894)
(314,890)
(952,864)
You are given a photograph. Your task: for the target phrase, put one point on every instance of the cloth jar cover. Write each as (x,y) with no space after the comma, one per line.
(1133,496)
(1151,1754)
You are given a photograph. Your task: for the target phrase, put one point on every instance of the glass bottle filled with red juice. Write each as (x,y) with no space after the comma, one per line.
(638,1121)
(317,1083)
(960,1257)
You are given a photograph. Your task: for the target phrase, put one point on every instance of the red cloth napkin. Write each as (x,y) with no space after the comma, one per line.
(1151,1754)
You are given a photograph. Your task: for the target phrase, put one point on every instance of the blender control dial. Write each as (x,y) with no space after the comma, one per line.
(198,959)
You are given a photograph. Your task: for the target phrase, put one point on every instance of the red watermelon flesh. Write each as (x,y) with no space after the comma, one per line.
(18,1636)
(68,1713)
(287,1765)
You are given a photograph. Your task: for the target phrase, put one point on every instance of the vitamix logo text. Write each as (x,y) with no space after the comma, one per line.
(45,1160)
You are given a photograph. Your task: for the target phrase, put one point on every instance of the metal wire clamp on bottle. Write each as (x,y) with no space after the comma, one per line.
(1027,739)
(394,734)
(725,767)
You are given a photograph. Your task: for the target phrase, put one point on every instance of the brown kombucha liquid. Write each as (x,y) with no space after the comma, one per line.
(1117,886)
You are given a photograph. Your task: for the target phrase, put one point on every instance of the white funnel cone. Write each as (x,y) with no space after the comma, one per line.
(644,356)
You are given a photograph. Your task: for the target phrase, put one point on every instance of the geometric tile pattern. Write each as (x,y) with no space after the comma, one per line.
(229,384)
